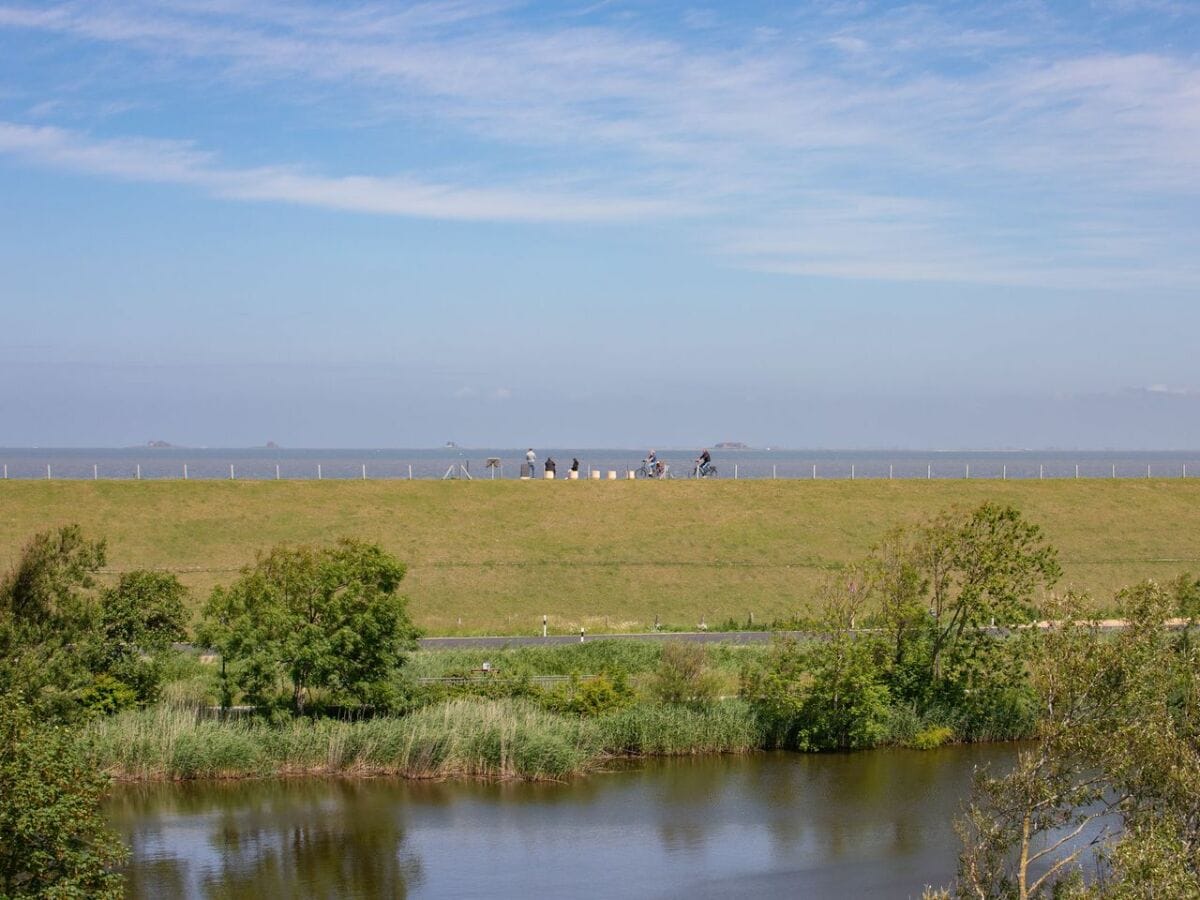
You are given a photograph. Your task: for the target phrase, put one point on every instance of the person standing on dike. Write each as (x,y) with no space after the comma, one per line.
(531,461)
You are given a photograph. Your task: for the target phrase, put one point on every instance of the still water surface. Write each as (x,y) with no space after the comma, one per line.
(875,824)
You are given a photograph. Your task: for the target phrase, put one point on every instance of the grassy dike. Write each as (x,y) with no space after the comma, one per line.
(493,557)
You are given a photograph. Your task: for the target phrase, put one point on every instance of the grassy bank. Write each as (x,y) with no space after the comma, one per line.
(493,557)
(463,738)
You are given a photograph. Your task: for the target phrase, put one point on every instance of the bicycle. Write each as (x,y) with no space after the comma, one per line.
(656,470)
(707,470)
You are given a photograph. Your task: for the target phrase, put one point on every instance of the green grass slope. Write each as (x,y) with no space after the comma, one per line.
(494,556)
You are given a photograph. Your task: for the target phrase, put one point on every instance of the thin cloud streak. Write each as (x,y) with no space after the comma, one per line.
(178,163)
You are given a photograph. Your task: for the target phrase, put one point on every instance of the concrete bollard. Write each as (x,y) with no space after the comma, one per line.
(549,476)
(612,475)
(573,475)
(630,475)
(595,474)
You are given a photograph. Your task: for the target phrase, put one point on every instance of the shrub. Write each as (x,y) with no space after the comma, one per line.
(54,841)
(931,738)
(682,676)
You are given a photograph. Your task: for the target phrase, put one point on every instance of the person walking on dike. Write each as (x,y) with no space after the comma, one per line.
(574,463)
(551,465)
(531,461)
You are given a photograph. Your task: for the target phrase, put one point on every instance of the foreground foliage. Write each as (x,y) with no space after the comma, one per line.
(54,841)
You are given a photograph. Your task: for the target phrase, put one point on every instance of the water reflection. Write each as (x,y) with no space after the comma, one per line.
(869,824)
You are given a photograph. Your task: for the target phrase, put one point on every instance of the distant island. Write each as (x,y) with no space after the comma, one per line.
(271,445)
(731,445)
(160,445)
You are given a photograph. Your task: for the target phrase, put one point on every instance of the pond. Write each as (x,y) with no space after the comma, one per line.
(874,824)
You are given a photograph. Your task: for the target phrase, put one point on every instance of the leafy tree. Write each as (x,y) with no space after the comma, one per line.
(54,841)
(314,618)
(48,585)
(136,621)
(943,584)
(1118,736)
(828,694)
(46,611)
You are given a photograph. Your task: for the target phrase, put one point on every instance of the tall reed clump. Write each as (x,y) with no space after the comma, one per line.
(676,730)
(459,738)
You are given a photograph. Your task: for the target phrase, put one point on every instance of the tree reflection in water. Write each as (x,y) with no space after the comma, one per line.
(312,838)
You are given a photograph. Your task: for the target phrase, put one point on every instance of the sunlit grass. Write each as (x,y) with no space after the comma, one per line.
(493,557)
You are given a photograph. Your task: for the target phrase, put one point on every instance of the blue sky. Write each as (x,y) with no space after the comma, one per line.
(839,224)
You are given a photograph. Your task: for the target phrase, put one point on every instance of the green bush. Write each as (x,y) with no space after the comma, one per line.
(106,695)
(931,738)
(682,676)
(54,840)
(590,698)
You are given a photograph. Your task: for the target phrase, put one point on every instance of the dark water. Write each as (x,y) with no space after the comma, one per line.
(875,824)
(264,463)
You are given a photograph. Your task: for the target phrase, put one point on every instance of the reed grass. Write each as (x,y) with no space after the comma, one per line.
(463,738)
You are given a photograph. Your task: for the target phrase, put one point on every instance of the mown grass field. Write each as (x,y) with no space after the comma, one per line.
(492,557)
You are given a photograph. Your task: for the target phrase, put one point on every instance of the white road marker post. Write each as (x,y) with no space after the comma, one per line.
(544,626)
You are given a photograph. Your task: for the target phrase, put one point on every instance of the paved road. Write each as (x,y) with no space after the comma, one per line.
(691,637)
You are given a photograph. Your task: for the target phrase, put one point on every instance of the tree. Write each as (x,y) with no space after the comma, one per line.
(314,618)
(1119,735)
(46,610)
(136,621)
(828,694)
(54,841)
(944,583)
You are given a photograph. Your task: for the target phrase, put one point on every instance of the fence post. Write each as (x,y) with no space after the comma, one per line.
(139,472)
(410,471)
(1076,470)
(1115,470)
(929,472)
(47,471)
(364,471)
(889,471)
(1147,470)
(1004,473)
(318,471)
(95,472)
(276,471)
(773,471)
(814,471)
(231,471)
(735,471)
(6,471)
(968,475)
(851,471)
(185,471)
(1041,469)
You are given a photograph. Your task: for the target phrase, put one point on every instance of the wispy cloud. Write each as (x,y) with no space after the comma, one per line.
(180,163)
(885,142)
